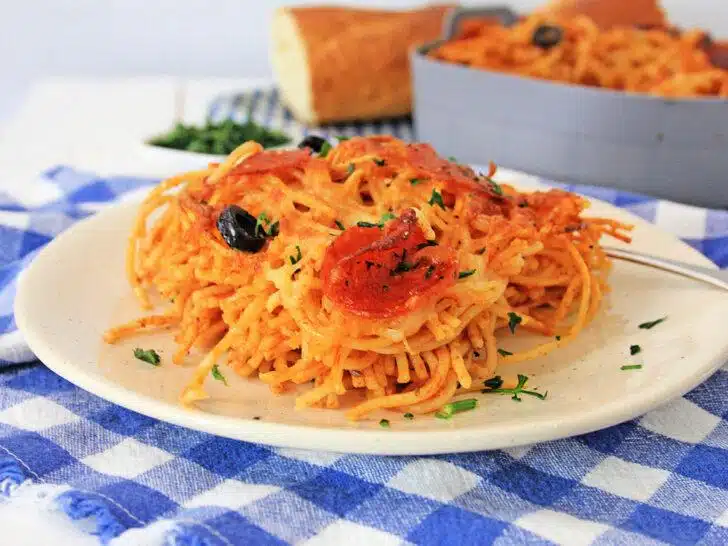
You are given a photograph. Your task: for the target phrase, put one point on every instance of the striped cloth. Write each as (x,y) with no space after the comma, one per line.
(264,107)
(133,480)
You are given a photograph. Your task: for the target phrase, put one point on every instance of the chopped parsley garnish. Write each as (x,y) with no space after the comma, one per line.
(652,324)
(149,356)
(503,352)
(401,267)
(634,349)
(409,416)
(448,410)
(494,382)
(384,423)
(339,225)
(515,392)
(632,367)
(429,242)
(386,217)
(513,321)
(217,138)
(495,187)
(325,149)
(415,181)
(480,251)
(466,274)
(260,222)
(379,162)
(297,258)
(274,228)
(436,199)
(452,158)
(558,338)
(217,374)
(350,169)
(367,224)
(430,271)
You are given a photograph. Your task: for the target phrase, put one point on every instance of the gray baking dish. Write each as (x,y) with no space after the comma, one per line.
(671,148)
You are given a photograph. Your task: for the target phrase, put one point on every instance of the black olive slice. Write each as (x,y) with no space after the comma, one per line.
(316,143)
(238,228)
(547,36)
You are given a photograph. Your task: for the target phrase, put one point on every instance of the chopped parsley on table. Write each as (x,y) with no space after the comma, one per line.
(149,356)
(634,349)
(631,367)
(217,138)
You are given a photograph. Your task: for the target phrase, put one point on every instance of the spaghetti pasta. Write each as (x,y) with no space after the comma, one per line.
(573,49)
(382,277)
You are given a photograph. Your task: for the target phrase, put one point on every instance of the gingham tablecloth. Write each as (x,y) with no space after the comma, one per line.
(133,480)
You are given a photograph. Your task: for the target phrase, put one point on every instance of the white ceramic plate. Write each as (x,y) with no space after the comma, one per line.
(76,288)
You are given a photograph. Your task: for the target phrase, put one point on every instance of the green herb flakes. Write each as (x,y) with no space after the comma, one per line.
(436,199)
(409,416)
(325,149)
(631,367)
(339,225)
(634,349)
(218,138)
(448,410)
(513,321)
(466,274)
(149,356)
(217,374)
(652,324)
(515,392)
(297,258)
(384,423)
(503,352)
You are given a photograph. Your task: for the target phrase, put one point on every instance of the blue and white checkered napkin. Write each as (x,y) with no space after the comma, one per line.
(659,479)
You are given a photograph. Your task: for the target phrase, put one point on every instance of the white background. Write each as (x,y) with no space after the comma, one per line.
(181,37)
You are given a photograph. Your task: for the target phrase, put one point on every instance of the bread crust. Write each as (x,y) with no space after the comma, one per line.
(358,61)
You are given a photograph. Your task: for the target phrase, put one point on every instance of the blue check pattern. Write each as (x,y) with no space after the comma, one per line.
(659,479)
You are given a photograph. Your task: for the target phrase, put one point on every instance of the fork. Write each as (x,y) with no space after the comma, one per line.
(715,277)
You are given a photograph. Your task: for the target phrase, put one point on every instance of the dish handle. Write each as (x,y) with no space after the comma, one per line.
(456,16)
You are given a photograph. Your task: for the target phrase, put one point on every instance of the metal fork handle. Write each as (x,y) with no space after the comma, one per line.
(715,277)
(456,16)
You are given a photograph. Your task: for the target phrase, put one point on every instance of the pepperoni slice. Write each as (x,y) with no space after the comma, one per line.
(384,273)
(272,160)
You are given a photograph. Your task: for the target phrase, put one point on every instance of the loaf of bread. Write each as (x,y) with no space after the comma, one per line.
(335,64)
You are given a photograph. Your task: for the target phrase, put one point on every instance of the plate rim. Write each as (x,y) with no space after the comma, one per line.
(449,439)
